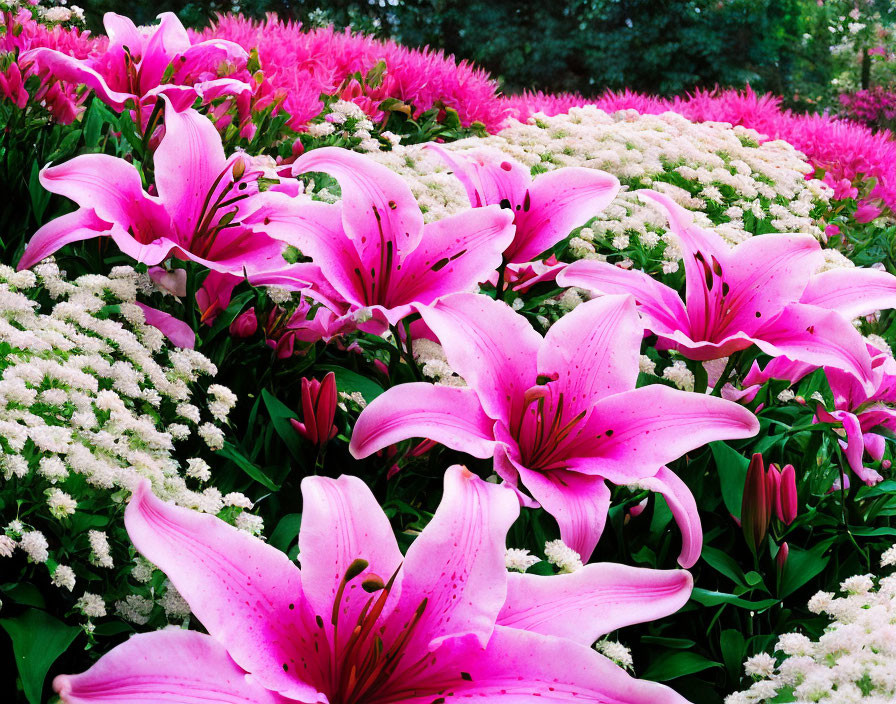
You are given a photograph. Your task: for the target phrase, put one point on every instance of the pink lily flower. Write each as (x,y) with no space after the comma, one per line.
(202,199)
(373,248)
(138,66)
(762,292)
(362,623)
(856,410)
(545,209)
(560,413)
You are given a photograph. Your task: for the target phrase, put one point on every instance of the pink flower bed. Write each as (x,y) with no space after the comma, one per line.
(304,64)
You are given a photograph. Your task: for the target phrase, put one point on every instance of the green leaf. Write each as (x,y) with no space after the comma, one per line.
(708,598)
(38,639)
(348,382)
(24,593)
(286,532)
(732,468)
(669,666)
(40,197)
(733,645)
(280,414)
(722,562)
(231,453)
(801,566)
(680,643)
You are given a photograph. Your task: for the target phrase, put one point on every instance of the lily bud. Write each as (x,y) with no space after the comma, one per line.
(787,504)
(756,508)
(773,487)
(886,464)
(781,557)
(245,325)
(318,410)
(239,168)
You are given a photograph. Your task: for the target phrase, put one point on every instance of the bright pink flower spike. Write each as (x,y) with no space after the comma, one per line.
(373,247)
(362,624)
(545,209)
(139,66)
(762,292)
(202,199)
(561,413)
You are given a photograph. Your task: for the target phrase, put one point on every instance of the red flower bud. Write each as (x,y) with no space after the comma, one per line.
(318,410)
(245,325)
(756,507)
(781,557)
(788,501)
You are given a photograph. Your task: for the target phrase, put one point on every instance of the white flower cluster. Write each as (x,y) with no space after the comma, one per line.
(92,402)
(433,363)
(854,660)
(721,172)
(347,120)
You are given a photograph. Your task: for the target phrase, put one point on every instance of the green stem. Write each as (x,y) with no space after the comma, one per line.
(723,379)
(406,354)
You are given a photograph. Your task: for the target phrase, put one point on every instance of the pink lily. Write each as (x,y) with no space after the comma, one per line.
(762,292)
(856,410)
(545,210)
(202,199)
(373,248)
(362,623)
(138,66)
(561,413)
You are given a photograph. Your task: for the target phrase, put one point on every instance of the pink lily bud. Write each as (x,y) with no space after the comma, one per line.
(638,508)
(245,325)
(756,508)
(318,410)
(781,557)
(773,487)
(886,464)
(787,501)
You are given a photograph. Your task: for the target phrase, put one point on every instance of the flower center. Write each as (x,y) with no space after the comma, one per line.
(215,216)
(365,660)
(541,430)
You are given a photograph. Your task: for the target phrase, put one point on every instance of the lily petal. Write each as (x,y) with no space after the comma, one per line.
(83,224)
(590,602)
(180,334)
(456,253)
(817,336)
(592,352)
(342,522)
(488,176)
(456,565)
(450,416)
(167,40)
(371,193)
(77,72)
(852,292)
(632,434)
(684,509)
(247,594)
(171,665)
(493,348)
(520,667)
(555,204)
(659,304)
(578,502)
(188,161)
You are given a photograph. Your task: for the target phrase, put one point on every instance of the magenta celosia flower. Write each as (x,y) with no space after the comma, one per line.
(373,247)
(560,413)
(202,199)
(360,623)
(545,210)
(302,64)
(137,65)
(762,292)
(19,32)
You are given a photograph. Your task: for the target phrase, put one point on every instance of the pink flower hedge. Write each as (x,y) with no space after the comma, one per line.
(304,64)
